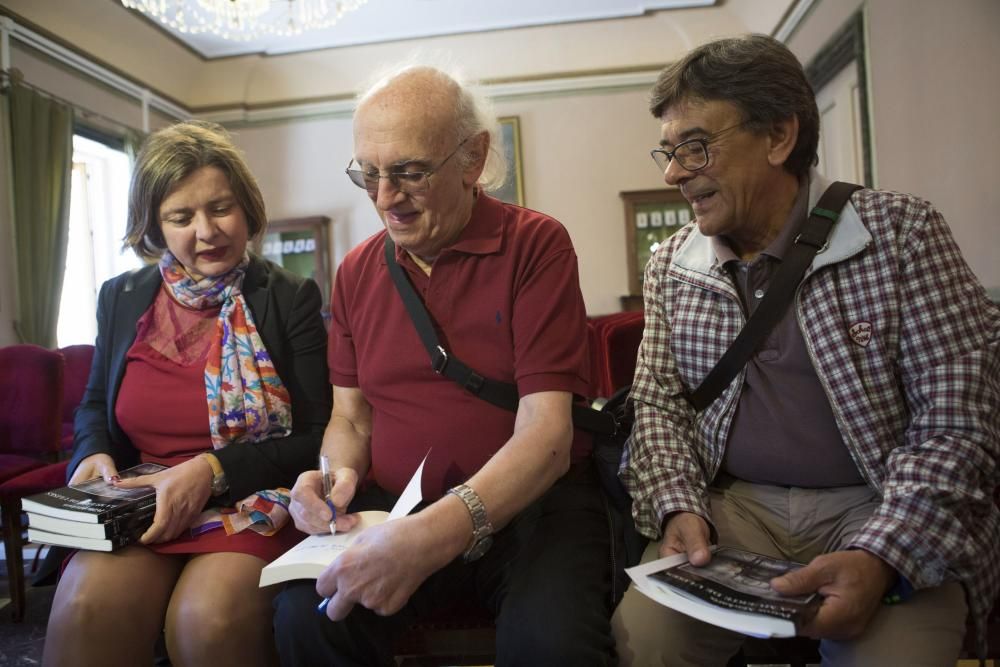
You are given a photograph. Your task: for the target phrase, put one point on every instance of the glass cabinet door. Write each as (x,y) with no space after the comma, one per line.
(301,245)
(651,217)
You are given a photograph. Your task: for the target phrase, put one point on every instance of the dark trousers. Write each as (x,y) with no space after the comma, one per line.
(546,580)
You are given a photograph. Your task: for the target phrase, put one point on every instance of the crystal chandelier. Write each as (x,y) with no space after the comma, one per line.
(243,20)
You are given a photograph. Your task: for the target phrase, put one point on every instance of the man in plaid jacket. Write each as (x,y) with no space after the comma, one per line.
(862,436)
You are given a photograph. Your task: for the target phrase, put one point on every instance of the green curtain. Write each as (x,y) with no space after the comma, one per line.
(132,140)
(41,137)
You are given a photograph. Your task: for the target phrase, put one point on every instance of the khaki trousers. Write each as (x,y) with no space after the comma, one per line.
(795,524)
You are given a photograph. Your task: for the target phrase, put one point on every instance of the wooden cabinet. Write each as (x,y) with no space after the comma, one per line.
(651,216)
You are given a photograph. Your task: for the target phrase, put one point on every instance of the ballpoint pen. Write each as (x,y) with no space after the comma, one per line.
(324,470)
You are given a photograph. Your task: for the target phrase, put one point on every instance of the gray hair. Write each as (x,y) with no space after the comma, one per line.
(756,73)
(473,113)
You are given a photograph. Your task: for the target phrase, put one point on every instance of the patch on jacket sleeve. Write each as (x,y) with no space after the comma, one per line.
(861,333)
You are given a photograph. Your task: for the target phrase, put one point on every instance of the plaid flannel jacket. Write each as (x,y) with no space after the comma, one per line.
(905,342)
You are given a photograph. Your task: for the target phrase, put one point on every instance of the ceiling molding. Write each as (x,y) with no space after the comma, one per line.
(431,19)
(15,27)
(790,22)
(343,107)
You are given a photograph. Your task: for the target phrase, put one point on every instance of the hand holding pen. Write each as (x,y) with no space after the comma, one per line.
(324,471)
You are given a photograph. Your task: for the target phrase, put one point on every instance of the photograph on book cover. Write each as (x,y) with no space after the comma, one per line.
(740,571)
(98,487)
(512,190)
(744,572)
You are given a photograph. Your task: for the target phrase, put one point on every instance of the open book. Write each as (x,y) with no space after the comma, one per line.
(732,591)
(308,558)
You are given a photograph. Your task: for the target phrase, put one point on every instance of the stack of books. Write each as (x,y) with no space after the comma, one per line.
(92,515)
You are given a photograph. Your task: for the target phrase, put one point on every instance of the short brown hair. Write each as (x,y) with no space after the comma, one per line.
(756,73)
(170,155)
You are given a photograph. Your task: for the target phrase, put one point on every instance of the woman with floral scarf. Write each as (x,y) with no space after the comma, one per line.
(211,361)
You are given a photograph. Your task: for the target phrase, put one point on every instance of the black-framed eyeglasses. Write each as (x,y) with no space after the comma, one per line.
(691,154)
(405,180)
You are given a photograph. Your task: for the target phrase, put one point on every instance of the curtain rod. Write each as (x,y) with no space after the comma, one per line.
(9,28)
(15,76)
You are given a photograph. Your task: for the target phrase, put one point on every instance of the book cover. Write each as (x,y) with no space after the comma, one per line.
(94,501)
(732,591)
(308,558)
(139,520)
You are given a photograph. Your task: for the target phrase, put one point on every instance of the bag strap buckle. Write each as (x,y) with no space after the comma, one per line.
(439,360)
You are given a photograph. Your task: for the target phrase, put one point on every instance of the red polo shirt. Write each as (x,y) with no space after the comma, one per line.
(505,299)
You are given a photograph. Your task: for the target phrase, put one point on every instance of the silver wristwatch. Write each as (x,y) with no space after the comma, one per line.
(482,529)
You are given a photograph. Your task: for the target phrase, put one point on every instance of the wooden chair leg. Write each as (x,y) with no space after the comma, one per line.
(13,548)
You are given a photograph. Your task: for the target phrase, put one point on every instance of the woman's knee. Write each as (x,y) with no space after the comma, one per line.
(89,601)
(202,622)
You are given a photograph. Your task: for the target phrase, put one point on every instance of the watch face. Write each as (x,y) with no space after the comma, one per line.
(477,550)
(219,485)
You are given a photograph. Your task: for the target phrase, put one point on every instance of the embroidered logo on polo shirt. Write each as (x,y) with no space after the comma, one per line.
(499,318)
(861,333)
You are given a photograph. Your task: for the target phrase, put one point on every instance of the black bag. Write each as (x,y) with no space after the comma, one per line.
(607,454)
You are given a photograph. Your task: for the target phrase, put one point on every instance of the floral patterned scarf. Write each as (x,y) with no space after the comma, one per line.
(247,401)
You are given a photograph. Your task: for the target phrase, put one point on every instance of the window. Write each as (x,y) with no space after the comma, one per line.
(98,206)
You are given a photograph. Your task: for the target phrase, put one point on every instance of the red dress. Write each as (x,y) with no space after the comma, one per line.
(163,409)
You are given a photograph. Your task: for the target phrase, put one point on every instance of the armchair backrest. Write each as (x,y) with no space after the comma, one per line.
(614,342)
(78,359)
(31,386)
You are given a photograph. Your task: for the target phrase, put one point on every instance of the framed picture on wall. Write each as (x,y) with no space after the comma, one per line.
(651,216)
(512,191)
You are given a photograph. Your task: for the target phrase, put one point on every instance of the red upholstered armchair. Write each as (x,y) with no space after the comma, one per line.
(78,359)
(614,345)
(75,365)
(30,418)
(30,400)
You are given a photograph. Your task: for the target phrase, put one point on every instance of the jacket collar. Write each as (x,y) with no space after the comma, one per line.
(849,237)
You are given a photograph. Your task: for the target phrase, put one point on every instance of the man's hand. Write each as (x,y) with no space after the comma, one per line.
(687,533)
(309,509)
(852,584)
(380,570)
(181,494)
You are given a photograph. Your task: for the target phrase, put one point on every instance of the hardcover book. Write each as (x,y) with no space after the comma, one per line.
(89,543)
(732,591)
(118,525)
(94,501)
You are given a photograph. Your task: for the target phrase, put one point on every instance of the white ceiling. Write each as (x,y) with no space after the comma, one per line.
(390,20)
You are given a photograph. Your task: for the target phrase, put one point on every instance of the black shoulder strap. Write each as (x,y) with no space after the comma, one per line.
(500,394)
(779,295)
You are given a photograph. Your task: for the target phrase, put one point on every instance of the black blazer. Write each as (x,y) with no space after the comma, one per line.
(286,310)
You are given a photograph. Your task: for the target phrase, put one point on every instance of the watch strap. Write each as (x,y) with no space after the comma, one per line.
(481,526)
(219,483)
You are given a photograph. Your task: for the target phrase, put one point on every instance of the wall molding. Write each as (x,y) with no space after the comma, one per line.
(343,106)
(11,29)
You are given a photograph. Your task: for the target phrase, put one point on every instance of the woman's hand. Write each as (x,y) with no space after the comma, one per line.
(181,494)
(309,508)
(95,465)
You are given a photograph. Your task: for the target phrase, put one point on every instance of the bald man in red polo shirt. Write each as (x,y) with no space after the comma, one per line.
(513,518)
